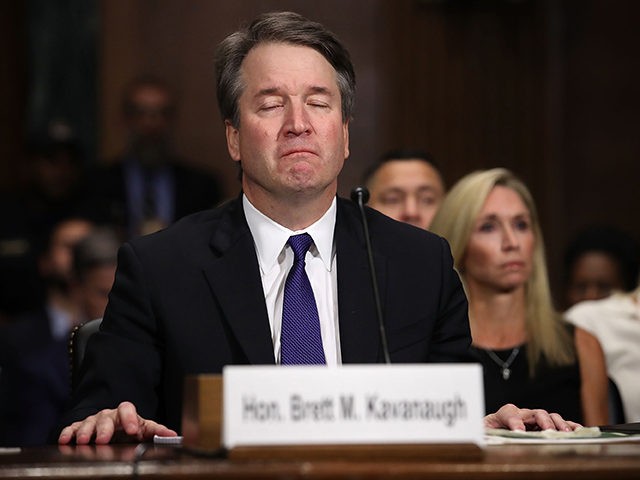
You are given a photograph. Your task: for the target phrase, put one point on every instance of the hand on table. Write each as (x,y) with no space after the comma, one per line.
(513,418)
(122,423)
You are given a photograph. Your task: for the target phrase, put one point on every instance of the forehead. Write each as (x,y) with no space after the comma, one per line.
(409,173)
(149,95)
(71,231)
(596,264)
(504,201)
(283,65)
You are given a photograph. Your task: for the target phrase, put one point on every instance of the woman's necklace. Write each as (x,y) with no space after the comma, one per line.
(506,371)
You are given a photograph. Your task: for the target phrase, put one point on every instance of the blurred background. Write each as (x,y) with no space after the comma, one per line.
(546,88)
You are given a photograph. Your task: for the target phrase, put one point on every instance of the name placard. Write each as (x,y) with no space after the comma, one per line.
(352,404)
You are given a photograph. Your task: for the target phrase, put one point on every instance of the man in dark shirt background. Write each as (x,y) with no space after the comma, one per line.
(148,186)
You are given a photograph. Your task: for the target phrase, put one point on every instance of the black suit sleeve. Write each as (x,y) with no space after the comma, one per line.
(123,361)
(451,336)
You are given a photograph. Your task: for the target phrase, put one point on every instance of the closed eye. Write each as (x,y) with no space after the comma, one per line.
(319,104)
(270,106)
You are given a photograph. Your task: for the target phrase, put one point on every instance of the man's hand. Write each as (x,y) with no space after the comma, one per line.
(122,421)
(513,418)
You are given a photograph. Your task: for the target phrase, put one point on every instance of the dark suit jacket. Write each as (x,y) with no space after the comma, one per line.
(189,299)
(195,190)
(34,380)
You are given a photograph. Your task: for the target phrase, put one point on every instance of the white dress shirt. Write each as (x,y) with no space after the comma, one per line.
(276,258)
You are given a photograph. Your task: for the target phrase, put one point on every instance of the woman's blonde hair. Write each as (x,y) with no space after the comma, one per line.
(455,221)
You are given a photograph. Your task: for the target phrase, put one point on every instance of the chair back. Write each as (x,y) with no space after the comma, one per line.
(616,409)
(77,345)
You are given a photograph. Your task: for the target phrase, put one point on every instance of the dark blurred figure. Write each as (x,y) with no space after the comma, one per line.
(407,186)
(53,189)
(149,186)
(34,360)
(598,261)
(94,267)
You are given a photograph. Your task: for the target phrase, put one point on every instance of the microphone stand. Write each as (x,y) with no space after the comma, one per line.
(360,195)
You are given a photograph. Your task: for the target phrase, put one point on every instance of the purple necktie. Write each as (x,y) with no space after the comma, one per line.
(300,340)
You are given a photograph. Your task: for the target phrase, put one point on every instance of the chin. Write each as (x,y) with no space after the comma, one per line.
(509,287)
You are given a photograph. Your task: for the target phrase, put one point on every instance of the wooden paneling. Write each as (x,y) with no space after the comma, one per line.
(602,108)
(548,88)
(12,93)
(176,40)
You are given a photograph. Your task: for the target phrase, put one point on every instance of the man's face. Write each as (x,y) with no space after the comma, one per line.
(291,140)
(56,174)
(93,290)
(150,113)
(57,263)
(149,122)
(410,191)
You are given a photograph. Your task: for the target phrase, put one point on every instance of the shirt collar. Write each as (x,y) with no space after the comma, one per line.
(270,237)
(59,321)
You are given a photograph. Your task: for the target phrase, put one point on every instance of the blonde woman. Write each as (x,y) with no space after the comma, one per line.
(530,356)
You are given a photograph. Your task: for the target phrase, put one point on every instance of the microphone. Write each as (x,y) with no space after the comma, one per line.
(360,195)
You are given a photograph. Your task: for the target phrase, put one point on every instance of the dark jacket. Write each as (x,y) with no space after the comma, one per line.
(189,299)
(34,380)
(194,190)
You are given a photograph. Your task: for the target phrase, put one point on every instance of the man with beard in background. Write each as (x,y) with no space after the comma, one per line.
(149,186)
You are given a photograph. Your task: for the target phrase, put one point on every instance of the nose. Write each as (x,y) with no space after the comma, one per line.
(509,239)
(297,121)
(410,210)
(595,291)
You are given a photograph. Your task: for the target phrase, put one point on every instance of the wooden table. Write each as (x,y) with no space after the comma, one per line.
(565,462)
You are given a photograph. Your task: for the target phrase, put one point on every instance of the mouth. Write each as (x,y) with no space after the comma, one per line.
(515,265)
(298,152)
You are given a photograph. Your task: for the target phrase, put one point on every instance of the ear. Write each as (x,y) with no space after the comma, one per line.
(233,140)
(345,134)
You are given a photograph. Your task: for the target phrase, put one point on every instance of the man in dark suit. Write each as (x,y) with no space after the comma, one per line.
(149,186)
(79,267)
(212,290)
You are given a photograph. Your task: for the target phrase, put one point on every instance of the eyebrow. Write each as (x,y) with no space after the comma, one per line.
(429,188)
(315,89)
(321,90)
(493,216)
(420,189)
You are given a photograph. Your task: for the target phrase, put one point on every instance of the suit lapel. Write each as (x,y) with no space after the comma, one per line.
(359,331)
(234,278)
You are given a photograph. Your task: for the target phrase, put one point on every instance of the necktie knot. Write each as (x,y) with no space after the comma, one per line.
(300,245)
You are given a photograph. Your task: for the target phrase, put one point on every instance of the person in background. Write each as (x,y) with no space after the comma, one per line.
(94,266)
(615,322)
(599,261)
(149,186)
(209,291)
(407,186)
(79,266)
(54,189)
(529,355)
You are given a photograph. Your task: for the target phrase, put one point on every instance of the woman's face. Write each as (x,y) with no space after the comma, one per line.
(499,254)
